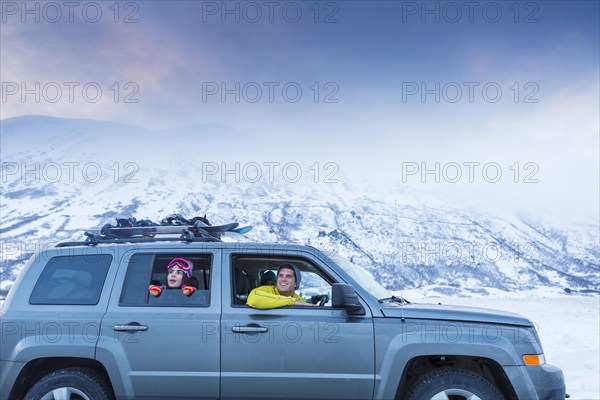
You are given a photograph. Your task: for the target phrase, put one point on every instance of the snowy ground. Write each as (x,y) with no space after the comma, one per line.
(568,326)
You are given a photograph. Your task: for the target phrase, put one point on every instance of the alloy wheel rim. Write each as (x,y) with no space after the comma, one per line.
(65,393)
(455,394)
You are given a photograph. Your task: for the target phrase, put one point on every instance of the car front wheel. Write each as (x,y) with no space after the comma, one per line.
(454,384)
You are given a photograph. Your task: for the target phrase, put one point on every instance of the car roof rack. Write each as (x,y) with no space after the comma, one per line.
(95,239)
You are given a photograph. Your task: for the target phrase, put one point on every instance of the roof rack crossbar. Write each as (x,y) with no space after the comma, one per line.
(94,239)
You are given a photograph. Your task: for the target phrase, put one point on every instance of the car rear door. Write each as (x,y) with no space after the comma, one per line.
(164,347)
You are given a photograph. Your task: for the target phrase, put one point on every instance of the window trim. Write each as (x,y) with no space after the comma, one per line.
(232,256)
(210,256)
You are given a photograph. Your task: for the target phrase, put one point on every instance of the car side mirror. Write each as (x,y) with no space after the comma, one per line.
(344,296)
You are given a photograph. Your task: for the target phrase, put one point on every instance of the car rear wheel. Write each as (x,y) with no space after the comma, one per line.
(70,384)
(454,384)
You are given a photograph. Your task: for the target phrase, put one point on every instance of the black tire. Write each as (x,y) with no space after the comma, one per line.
(454,384)
(70,384)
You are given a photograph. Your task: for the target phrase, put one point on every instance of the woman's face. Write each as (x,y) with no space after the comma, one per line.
(175,277)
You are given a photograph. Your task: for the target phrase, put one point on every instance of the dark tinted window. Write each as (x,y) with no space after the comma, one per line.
(151,269)
(135,290)
(72,280)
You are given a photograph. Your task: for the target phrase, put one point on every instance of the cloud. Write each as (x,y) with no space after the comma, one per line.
(171,56)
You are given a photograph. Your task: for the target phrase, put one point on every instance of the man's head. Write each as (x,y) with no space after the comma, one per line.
(288,279)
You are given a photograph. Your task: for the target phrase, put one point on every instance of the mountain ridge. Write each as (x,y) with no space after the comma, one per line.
(405,239)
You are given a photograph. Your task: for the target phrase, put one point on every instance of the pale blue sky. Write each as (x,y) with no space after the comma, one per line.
(543,56)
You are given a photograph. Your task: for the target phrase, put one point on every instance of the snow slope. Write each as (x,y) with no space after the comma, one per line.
(62,176)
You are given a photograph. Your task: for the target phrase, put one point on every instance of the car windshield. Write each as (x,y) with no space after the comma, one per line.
(361,276)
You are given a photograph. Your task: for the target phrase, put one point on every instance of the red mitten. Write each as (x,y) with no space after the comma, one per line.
(188,290)
(155,290)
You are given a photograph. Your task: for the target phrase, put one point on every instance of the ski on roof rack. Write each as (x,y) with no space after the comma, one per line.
(130,230)
(196,229)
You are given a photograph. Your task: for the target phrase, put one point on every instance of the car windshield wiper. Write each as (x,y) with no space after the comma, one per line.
(396,299)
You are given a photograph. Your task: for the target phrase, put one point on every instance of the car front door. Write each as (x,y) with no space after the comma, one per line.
(292,352)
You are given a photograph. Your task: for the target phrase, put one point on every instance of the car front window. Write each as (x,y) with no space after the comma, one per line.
(360,275)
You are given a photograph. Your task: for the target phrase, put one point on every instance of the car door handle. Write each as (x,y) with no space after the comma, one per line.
(253,328)
(130,327)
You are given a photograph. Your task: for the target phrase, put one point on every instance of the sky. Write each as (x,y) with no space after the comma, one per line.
(497,100)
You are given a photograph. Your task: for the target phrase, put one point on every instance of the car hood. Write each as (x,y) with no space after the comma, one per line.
(454,313)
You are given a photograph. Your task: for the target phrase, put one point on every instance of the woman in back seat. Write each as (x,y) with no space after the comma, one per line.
(179,276)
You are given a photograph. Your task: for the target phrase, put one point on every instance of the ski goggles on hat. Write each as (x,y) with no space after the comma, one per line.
(183,264)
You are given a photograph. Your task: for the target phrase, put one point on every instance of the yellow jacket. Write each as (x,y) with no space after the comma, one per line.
(265,297)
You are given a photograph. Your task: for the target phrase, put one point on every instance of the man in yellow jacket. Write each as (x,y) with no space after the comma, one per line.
(281,295)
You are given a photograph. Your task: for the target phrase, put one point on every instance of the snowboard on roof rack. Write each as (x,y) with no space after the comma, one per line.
(173,224)
(242,230)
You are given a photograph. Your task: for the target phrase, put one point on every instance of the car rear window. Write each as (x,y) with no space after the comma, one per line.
(72,280)
(151,269)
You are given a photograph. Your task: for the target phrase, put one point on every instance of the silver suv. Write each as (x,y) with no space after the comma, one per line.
(79,323)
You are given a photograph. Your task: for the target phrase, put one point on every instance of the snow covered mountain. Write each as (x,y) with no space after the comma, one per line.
(63,176)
